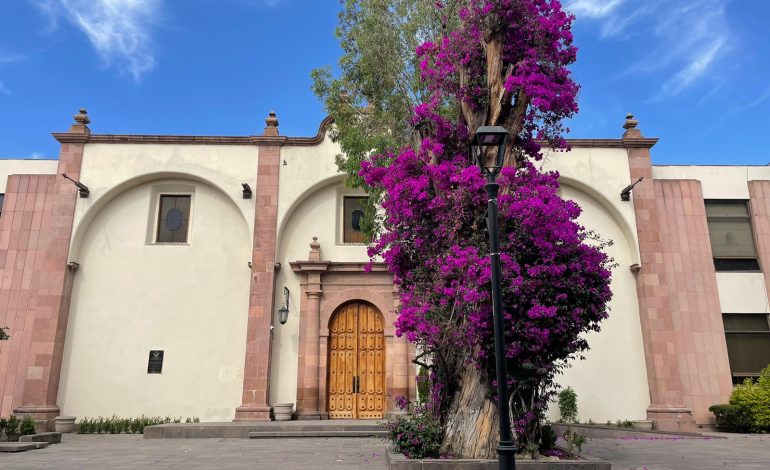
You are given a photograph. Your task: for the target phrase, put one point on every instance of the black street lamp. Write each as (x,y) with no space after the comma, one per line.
(489,139)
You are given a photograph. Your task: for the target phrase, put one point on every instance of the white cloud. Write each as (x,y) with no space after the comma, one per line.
(36,156)
(685,38)
(593,8)
(119,30)
(4,90)
(6,57)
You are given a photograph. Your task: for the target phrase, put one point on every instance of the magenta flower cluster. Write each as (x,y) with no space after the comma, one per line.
(555,283)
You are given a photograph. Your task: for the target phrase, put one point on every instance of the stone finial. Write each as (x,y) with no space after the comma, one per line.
(630,127)
(81,121)
(272,124)
(315,250)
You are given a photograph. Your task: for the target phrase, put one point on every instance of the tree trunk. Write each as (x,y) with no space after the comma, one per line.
(472,427)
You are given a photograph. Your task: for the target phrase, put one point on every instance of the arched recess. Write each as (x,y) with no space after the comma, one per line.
(618,349)
(356,380)
(629,232)
(99,204)
(286,216)
(131,297)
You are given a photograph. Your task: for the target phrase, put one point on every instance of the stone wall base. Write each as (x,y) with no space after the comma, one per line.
(671,419)
(252,413)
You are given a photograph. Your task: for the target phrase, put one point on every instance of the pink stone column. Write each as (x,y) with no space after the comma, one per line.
(667,409)
(256,373)
(759,193)
(37,280)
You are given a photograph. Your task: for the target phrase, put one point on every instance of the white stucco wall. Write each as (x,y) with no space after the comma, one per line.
(309,204)
(10,167)
(611,384)
(111,168)
(131,296)
(717,182)
(601,173)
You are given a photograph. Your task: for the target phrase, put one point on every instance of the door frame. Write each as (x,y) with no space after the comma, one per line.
(355,377)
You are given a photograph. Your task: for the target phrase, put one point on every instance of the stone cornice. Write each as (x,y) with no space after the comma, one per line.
(329,266)
(69,137)
(641,142)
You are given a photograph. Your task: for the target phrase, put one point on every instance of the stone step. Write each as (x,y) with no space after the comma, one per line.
(21,446)
(264,434)
(243,429)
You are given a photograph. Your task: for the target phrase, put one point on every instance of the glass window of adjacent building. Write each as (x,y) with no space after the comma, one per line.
(732,240)
(2,199)
(748,343)
(173,218)
(353,214)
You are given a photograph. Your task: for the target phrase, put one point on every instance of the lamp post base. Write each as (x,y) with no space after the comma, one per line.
(506,454)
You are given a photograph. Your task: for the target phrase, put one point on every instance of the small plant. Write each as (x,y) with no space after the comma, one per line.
(568,405)
(547,439)
(590,422)
(624,423)
(3,335)
(575,442)
(12,428)
(27,426)
(417,435)
(118,425)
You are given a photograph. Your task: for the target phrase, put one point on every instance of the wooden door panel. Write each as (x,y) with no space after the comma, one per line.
(356,350)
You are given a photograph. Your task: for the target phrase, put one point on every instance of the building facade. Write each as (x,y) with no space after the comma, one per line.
(153,285)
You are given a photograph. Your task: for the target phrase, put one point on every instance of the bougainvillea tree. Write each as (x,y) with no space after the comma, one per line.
(505,65)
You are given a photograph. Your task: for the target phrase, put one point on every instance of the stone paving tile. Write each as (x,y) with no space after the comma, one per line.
(119,452)
(737,451)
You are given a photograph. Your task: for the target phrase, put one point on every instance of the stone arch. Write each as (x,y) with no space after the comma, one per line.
(337,300)
(629,232)
(99,204)
(332,180)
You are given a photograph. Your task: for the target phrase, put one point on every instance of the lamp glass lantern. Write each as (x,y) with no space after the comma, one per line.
(283,312)
(486,139)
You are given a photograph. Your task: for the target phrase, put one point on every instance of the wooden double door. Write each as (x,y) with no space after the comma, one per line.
(356,381)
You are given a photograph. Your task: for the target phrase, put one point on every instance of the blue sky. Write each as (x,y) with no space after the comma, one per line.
(696,73)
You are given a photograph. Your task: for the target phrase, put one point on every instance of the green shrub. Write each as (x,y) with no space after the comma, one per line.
(27,426)
(624,423)
(12,427)
(734,417)
(754,399)
(547,439)
(568,405)
(3,424)
(117,425)
(575,442)
(417,435)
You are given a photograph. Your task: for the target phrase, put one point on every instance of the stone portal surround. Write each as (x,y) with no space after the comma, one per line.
(325,286)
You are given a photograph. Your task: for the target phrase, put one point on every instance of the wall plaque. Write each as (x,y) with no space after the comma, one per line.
(155,363)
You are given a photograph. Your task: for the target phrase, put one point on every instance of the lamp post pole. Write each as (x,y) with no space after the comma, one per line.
(506,452)
(486,140)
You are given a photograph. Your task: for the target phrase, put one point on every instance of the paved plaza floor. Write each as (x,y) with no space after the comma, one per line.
(115,452)
(121,451)
(721,452)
